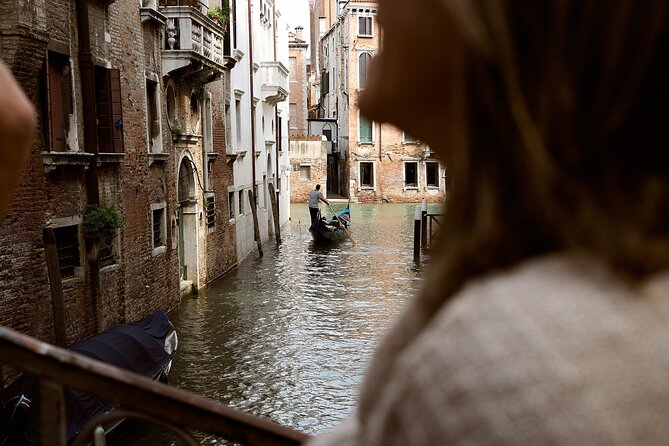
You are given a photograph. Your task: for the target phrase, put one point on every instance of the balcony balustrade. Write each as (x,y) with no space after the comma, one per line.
(274,82)
(141,398)
(193,44)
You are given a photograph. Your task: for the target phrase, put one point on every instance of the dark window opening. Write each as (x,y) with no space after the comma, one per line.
(158,226)
(432,174)
(231,204)
(109,110)
(363,64)
(241,201)
(211,211)
(411,174)
(364,26)
(367,174)
(153,123)
(67,244)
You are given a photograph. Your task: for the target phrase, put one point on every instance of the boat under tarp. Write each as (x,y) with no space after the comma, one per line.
(145,347)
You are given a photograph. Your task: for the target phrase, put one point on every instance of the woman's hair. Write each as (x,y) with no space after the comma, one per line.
(557,140)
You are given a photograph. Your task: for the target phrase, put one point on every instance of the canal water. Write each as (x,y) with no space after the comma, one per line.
(288,336)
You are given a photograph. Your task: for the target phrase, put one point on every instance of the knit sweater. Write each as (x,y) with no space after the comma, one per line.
(556,350)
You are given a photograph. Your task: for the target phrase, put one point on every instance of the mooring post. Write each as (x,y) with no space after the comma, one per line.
(275,212)
(254,210)
(53,270)
(416,234)
(423,230)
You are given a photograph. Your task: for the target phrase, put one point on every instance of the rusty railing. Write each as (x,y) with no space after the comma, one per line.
(175,410)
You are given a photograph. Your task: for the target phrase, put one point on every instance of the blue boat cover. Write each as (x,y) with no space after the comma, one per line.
(138,347)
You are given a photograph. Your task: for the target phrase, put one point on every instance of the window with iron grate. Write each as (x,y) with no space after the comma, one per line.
(67,244)
(211,210)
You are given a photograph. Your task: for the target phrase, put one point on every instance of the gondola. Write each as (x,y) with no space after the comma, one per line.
(333,229)
(146,347)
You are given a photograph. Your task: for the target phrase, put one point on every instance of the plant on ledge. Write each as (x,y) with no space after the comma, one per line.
(219,14)
(101,222)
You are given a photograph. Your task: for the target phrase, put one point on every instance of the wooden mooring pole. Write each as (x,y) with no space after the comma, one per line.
(423,229)
(416,234)
(256,228)
(275,212)
(53,269)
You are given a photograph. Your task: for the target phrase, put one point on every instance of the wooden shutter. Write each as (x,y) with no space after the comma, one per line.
(55,104)
(47,125)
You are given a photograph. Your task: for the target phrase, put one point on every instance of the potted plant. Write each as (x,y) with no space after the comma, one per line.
(219,14)
(100,224)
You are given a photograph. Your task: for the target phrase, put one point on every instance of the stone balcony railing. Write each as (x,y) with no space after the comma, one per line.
(274,82)
(193,43)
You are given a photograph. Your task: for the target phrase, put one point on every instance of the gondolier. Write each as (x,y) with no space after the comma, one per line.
(314,197)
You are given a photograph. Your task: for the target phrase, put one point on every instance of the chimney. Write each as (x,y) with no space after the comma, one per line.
(298,32)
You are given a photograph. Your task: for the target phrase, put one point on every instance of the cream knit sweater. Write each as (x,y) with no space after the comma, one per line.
(556,351)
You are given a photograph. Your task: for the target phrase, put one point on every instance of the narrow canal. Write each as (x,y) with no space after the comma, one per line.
(288,336)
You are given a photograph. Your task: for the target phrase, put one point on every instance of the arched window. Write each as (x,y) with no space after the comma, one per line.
(363,65)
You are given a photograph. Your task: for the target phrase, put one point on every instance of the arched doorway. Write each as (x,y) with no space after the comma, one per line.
(188,264)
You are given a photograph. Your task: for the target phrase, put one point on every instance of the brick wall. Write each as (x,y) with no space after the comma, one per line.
(314,155)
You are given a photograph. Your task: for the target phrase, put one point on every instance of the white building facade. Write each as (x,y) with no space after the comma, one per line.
(258,119)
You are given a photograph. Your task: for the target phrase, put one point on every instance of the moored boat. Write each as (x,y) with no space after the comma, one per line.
(146,347)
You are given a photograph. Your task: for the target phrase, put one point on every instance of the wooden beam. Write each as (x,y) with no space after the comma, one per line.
(53,268)
(275,212)
(256,228)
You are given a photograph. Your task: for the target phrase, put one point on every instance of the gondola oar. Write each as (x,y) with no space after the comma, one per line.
(343,225)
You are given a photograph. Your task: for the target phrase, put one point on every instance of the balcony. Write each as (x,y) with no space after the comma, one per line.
(274,82)
(193,44)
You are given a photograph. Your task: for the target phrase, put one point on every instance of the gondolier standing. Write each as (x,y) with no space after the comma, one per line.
(314,197)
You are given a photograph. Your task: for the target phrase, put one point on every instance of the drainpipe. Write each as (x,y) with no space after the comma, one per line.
(253,107)
(90,134)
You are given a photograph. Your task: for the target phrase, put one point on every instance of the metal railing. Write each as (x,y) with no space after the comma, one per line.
(427,227)
(175,410)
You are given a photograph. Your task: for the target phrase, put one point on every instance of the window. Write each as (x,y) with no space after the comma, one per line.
(231,205)
(411,174)
(363,65)
(210,207)
(57,93)
(327,133)
(408,139)
(365,26)
(171,100)
(158,226)
(432,174)
(305,173)
(325,83)
(67,244)
(241,202)
(238,121)
(365,130)
(153,117)
(366,174)
(109,110)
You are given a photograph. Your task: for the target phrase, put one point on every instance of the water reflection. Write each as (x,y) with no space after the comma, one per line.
(288,336)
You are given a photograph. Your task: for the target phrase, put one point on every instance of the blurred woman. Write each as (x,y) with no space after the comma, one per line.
(546,317)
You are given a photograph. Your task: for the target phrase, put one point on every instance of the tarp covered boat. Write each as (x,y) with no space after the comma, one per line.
(145,347)
(332,229)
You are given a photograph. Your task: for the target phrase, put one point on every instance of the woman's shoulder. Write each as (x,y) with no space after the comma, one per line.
(546,350)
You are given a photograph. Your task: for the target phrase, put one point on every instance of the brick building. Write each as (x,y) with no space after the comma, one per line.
(299,83)
(380,162)
(131,114)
